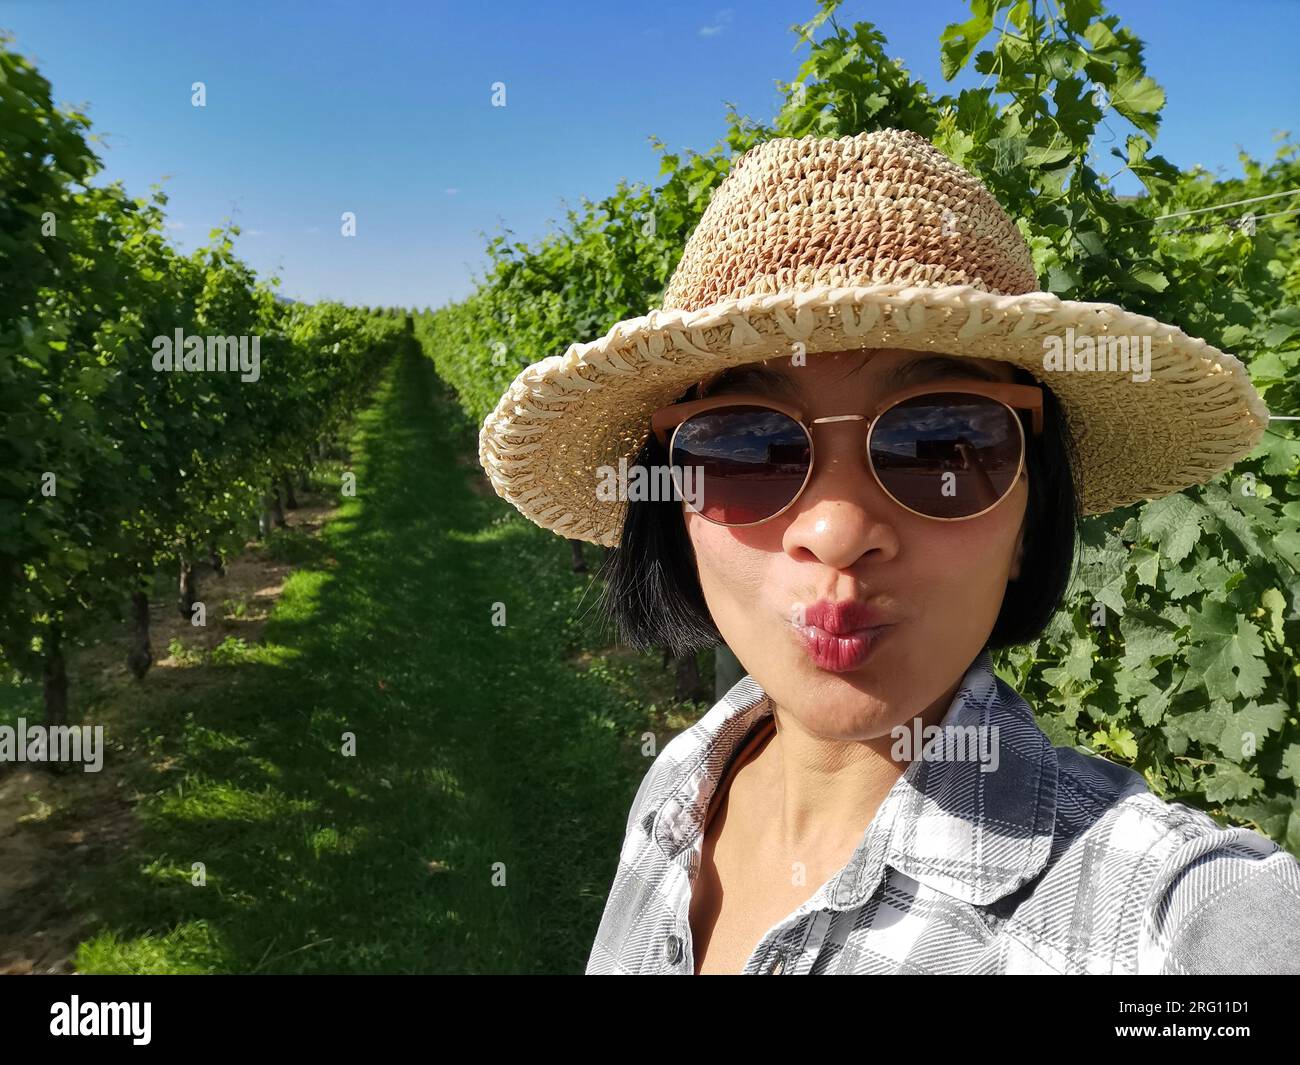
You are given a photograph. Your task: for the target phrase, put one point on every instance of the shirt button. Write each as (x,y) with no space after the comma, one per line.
(777,966)
(673,949)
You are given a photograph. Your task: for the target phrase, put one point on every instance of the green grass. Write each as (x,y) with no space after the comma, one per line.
(483,752)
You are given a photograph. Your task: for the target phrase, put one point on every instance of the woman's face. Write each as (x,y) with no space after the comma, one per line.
(939,584)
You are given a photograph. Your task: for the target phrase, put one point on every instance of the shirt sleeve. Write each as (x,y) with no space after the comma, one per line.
(642,792)
(628,892)
(1225,902)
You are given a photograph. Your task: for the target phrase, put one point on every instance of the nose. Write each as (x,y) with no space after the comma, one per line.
(842,515)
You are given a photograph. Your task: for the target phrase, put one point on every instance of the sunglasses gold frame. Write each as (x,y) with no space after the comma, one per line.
(1012,396)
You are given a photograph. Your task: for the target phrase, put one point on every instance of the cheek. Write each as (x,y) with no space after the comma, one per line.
(732,565)
(967,562)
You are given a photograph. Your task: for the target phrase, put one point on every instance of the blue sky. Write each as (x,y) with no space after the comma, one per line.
(315,107)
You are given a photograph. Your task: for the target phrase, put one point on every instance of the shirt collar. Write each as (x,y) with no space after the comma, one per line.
(973,834)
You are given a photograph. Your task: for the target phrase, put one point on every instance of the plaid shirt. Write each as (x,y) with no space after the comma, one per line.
(1055,862)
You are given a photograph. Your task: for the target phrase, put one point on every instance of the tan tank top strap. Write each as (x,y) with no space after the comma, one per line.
(738,760)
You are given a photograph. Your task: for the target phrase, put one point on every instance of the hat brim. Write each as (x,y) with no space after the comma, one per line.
(567,415)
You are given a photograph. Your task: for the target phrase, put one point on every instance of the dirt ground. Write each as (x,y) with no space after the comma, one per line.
(53,824)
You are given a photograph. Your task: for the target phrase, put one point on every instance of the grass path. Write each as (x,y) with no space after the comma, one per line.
(484,753)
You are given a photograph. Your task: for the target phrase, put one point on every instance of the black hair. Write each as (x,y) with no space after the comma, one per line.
(652,589)
(1052,517)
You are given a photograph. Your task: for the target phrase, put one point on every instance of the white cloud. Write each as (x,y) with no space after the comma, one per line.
(720,23)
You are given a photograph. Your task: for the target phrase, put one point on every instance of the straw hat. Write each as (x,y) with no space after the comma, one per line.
(876,240)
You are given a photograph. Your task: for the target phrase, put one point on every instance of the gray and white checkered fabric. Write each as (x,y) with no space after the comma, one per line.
(1055,862)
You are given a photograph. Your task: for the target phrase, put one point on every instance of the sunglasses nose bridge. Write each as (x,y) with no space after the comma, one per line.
(866,427)
(827,463)
(843,418)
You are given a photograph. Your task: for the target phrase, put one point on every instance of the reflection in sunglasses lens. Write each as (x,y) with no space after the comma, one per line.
(947,455)
(944,455)
(753,461)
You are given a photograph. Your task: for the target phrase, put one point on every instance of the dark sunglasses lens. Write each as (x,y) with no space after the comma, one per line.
(947,454)
(740,465)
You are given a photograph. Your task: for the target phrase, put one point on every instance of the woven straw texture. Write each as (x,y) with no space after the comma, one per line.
(872,241)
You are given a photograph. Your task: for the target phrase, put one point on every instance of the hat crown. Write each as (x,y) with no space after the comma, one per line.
(878,208)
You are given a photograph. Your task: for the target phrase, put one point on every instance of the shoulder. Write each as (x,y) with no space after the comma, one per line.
(678,756)
(1173,890)
(650,791)
(640,929)
(1223,900)
(697,752)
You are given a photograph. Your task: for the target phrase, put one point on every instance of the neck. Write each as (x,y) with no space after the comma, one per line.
(819,794)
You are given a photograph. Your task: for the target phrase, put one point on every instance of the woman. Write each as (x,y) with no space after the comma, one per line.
(880,473)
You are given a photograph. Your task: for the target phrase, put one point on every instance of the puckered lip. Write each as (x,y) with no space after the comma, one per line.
(839,617)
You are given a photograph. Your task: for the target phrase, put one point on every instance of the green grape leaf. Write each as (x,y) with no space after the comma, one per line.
(1245,731)
(1227,652)
(1291,763)
(1174,524)
(1230,781)
(1147,635)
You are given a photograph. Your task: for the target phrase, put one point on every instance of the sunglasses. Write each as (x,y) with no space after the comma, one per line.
(950,452)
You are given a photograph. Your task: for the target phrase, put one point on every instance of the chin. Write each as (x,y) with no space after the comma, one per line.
(834,707)
(853,723)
